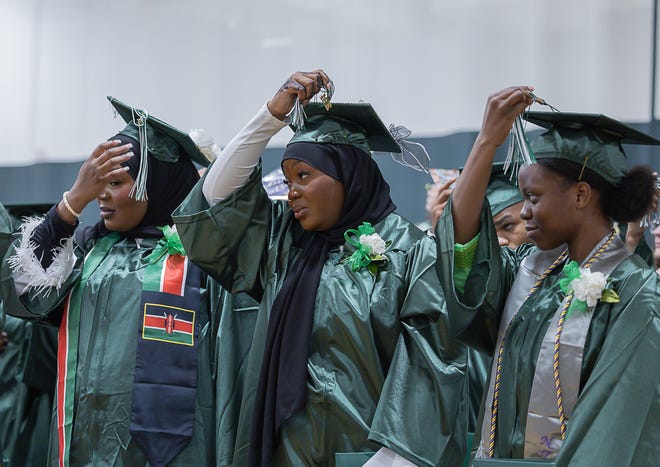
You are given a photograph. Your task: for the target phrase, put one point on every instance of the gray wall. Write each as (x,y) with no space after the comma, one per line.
(46,182)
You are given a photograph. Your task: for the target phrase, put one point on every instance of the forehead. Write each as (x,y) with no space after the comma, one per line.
(537,175)
(289,165)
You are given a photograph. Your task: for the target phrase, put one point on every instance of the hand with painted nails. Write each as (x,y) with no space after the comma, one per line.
(100,167)
(502,109)
(301,85)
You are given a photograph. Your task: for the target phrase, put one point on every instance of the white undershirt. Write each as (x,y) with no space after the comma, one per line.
(239,158)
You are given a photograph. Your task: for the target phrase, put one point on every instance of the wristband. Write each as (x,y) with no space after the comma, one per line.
(68,206)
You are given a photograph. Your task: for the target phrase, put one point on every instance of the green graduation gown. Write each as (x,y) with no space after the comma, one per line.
(382,368)
(616,416)
(109,324)
(13,394)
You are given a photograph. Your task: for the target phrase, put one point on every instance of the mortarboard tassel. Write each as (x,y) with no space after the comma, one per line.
(298,115)
(139,190)
(519,153)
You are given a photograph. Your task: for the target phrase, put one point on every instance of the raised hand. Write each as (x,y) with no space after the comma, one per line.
(439,201)
(301,85)
(502,109)
(99,168)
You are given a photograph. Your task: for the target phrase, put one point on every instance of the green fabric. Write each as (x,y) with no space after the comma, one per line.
(381,369)
(356,124)
(37,371)
(603,156)
(617,413)
(27,371)
(163,140)
(463,259)
(501,192)
(104,380)
(13,394)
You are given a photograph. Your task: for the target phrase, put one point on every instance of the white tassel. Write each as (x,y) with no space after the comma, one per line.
(29,273)
(205,144)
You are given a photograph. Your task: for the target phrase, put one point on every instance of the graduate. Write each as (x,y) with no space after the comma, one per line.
(579,299)
(134,382)
(352,350)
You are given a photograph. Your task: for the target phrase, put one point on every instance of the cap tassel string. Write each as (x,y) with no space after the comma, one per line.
(298,115)
(519,153)
(139,189)
(412,155)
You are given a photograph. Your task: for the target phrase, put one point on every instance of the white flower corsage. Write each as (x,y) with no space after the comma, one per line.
(587,287)
(369,248)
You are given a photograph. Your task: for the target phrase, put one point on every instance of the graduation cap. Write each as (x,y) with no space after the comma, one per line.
(590,140)
(355,124)
(501,191)
(359,125)
(159,139)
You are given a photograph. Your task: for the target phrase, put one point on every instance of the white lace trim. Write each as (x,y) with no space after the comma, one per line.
(27,270)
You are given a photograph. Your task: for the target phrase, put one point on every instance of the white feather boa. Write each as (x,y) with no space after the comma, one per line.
(29,274)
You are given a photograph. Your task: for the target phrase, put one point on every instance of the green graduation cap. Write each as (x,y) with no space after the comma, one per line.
(161,140)
(355,124)
(501,191)
(590,140)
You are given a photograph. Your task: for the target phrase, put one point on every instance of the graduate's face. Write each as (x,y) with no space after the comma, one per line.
(315,198)
(548,206)
(119,212)
(510,227)
(656,249)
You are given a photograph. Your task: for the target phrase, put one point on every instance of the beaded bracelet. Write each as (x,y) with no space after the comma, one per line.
(68,206)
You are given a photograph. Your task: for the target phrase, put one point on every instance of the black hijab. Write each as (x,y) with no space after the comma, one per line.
(282,388)
(168,183)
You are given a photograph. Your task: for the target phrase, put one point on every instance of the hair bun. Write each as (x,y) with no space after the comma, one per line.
(633,198)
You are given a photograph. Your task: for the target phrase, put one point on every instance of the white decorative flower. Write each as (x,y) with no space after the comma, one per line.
(200,137)
(374,242)
(205,143)
(589,286)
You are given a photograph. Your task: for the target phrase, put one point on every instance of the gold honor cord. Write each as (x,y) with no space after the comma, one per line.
(560,327)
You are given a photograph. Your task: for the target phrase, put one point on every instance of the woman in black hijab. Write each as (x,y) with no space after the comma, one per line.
(134,383)
(351,352)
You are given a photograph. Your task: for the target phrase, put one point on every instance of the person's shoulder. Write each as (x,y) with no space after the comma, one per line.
(635,281)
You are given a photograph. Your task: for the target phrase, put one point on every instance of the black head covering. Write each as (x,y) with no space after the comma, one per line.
(282,385)
(168,183)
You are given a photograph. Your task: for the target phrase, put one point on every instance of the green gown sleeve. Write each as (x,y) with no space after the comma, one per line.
(475,314)
(250,213)
(422,409)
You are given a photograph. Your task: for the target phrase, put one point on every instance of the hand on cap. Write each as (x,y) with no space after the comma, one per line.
(301,85)
(502,109)
(93,176)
